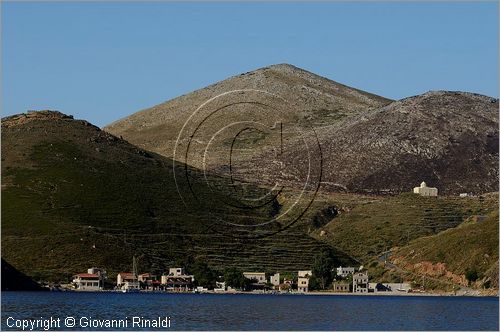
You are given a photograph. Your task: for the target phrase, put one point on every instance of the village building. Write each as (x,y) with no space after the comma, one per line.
(423,190)
(360,282)
(127,281)
(275,279)
(344,271)
(93,280)
(220,286)
(303,281)
(258,280)
(258,277)
(287,285)
(177,280)
(341,287)
(149,281)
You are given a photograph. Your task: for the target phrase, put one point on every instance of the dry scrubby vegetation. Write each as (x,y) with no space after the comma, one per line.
(469,252)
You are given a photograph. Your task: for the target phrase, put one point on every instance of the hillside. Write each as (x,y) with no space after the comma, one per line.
(74,196)
(367,226)
(448,139)
(13,280)
(295,98)
(465,255)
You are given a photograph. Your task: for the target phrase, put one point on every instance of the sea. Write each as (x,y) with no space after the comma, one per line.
(71,311)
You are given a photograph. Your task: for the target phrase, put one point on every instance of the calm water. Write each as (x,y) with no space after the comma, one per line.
(259,312)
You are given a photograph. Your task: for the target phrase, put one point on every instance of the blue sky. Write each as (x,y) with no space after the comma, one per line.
(104,61)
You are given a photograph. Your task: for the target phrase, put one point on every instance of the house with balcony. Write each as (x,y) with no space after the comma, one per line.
(176,280)
(360,282)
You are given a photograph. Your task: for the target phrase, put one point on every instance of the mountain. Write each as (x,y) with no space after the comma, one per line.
(281,125)
(74,196)
(295,98)
(448,139)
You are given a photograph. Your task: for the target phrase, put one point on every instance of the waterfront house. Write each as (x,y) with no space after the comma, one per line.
(344,271)
(303,281)
(303,284)
(423,190)
(258,280)
(360,282)
(93,280)
(177,280)
(127,281)
(341,287)
(149,281)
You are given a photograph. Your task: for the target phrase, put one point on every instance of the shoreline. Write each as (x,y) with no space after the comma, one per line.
(314,293)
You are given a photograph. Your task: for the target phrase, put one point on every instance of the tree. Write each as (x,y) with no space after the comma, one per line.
(235,278)
(471,275)
(203,274)
(322,268)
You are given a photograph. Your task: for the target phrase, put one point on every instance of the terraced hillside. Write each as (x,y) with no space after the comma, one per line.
(465,255)
(367,226)
(74,196)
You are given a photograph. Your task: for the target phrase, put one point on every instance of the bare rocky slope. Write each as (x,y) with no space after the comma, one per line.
(279,93)
(448,139)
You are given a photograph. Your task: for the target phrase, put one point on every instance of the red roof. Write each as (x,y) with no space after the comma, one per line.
(87,275)
(126,274)
(146,275)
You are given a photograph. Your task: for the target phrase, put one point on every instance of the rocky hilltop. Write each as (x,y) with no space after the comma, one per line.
(448,139)
(279,93)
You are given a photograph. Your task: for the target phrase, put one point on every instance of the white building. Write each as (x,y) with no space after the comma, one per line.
(275,279)
(220,286)
(93,280)
(303,281)
(305,274)
(423,190)
(344,271)
(176,271)
(259,277)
